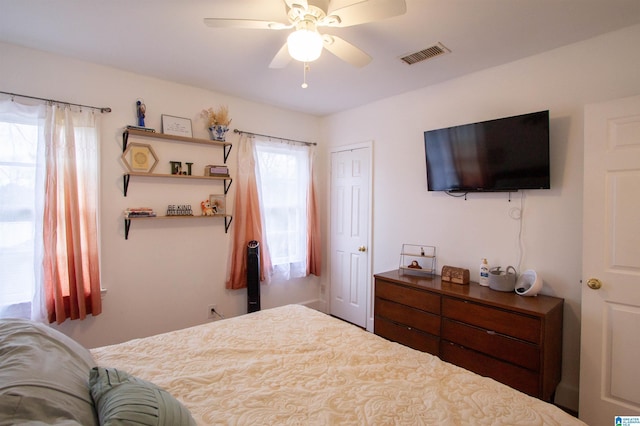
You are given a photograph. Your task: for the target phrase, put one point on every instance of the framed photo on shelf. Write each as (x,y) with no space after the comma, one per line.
(218,203)
(176,126)
(139,157)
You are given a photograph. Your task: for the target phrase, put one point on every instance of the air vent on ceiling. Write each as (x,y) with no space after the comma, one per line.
(424,54)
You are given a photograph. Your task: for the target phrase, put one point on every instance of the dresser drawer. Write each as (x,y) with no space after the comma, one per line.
(493,319)
(518,378)
(506,348)
(407,315)
(407,336)
(422,300)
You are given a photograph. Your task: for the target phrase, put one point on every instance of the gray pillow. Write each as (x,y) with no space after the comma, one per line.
(43,376)
(122,399)
(32,411)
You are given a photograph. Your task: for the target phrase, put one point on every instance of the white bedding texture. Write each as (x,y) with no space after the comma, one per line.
(294,365)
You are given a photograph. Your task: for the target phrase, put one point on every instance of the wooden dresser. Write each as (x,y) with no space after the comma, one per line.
(514,339)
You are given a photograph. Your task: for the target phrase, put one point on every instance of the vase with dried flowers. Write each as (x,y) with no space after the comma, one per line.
(218,121)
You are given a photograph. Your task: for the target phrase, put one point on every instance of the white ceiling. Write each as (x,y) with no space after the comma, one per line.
(168,39)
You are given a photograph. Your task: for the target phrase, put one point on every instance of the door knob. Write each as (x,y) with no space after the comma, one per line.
(362,248)
(594,283)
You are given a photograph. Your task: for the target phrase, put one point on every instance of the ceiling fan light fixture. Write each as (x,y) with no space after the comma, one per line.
(305,44)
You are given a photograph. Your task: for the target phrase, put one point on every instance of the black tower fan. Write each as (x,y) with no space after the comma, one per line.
(253,276)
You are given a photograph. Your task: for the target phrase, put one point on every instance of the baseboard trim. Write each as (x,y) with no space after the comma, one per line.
(567,398)
(317,304)
(568,411)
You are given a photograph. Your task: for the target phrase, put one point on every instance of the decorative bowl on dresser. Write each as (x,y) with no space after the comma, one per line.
(512,339)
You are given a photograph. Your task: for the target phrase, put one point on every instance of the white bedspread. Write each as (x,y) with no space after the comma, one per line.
(294,365)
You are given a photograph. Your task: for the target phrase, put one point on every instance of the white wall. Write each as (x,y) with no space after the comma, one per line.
(167,273)
(563,81)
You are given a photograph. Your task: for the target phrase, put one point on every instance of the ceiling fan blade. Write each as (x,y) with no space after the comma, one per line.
(345,51)
(364,11)
(281,59)
(246,23)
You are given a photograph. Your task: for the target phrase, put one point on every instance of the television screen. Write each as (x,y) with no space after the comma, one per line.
(506,154)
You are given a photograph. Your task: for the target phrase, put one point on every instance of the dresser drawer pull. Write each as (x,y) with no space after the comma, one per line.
(409,328)
(491,332)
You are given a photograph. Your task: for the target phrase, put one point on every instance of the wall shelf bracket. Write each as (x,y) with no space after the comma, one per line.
(125,183)
(227,150)
(127,225)
(125,139)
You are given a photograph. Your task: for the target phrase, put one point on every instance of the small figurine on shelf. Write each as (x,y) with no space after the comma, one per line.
(141,109)
(206,208)
(414,265)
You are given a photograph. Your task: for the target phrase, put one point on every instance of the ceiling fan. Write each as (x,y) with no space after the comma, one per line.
(305,43)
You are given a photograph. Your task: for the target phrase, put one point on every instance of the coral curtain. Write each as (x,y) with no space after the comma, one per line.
(248,224)
(70,234)
(314,247)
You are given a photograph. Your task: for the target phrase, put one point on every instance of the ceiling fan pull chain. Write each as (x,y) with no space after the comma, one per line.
(304,79)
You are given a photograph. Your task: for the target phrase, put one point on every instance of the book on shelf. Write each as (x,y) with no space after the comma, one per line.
(142,129)
(213,170)
(139,212)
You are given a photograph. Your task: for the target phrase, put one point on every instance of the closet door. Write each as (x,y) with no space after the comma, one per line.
(350,230)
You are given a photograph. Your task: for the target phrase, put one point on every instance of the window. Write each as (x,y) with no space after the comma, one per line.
(275,204)
(48,212)
(283,181)
(18,153)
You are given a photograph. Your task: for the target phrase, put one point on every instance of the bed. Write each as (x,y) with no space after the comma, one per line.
(294,365)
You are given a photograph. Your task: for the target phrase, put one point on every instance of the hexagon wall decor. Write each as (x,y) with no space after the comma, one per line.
(139,158)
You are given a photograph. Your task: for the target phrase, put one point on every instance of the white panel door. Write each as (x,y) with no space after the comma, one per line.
(349,246)
(610,337)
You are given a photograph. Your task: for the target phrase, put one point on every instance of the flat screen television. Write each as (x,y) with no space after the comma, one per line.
(506,154)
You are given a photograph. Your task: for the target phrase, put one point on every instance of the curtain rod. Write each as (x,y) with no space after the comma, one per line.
(101,109)
(273,137)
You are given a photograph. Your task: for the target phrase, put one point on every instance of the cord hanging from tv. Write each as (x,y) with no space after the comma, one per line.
(502,155)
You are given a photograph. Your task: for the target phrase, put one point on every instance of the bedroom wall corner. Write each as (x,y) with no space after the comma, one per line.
(167,273)
(464,231)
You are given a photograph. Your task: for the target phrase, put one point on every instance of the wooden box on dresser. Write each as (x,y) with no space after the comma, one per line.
(514,339)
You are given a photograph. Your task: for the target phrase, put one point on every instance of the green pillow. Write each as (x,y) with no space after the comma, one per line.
(122,399)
